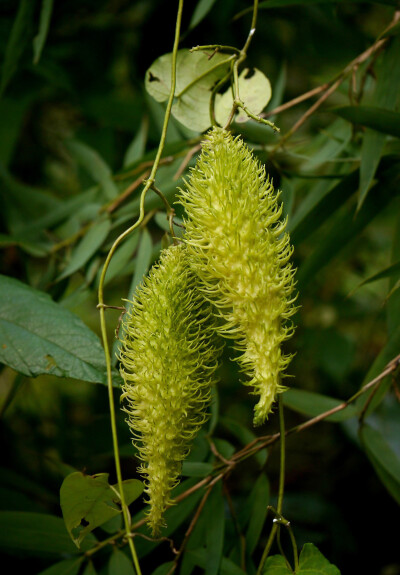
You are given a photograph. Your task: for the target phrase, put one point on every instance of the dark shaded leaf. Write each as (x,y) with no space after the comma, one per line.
(313,404)
(89,501)
(120,564)
(37,534)
(87,247)
(383,458)
(39,336)
(66,567)
(40,39)
(16,42)
(378,119)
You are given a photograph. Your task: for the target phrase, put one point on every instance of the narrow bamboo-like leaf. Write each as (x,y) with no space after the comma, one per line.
(163,569)
(89,569)
(174,516)
(66,567)
(94,165)
(389,352)
(122,256)
(215,510)
(200,12)
(119,564)
(385,96)
(258,503)
(37,534)
(393,304)
(196,76)
(143,260)
(16,42)
(345,227)
(228,567)
(87,247)
(39,336)
(281,3)
(384,121)
(137,147)
(44,22)
(313,404)
(244,435)
(387,272)
(89,501)
(255,92)
(196,469)
(313,213)
(384,459)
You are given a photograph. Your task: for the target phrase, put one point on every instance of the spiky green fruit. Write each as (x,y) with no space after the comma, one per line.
(168,361)
(241,253)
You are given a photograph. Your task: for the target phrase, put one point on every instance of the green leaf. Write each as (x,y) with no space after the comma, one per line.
(345,227)
(378,119)
(143,260)
(87,247)
(196,469)
(137,147)
(16,42)
(66,567)
(393,305)
(215,520)
(312,562)
(90,570)
(94,165)
(200,12)
(40,336)
(255,93)
(196,75)
(40,39)
(163,569)
(244,435)
(122,256)
(174,516)
(313,404)
(119,564)
(387,272)
(276,565)
(89,501)
(383,458)
(258,503)
(228,567)
(317,208)
(282,3)
(37,534)
(385,96)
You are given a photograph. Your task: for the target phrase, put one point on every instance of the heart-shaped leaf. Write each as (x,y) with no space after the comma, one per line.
(89,501)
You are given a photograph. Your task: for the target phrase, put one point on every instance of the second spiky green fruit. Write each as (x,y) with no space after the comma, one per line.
(241,253)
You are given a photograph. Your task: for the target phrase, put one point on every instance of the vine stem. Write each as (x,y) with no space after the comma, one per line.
(101,305)
(275,525)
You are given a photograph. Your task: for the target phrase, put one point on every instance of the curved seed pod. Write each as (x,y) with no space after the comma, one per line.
(241,254)
(168,362)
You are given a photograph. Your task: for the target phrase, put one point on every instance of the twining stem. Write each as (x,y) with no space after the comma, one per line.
(101,304)
(275,524)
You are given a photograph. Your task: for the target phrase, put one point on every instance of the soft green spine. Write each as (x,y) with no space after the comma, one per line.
(168,361)
(241,253)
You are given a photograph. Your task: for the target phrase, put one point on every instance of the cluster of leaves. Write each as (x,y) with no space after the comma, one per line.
(77,137)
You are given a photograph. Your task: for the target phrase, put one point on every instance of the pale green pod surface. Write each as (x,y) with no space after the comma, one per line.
(241,254)
(168,361)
